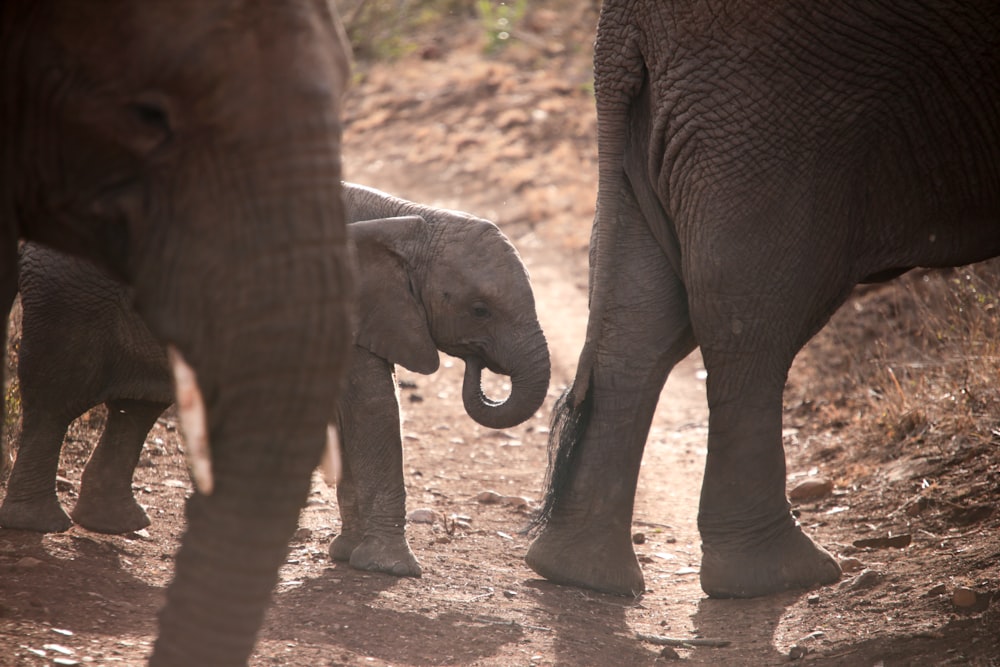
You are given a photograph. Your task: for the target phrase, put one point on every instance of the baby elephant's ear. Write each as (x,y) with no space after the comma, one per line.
(392,322)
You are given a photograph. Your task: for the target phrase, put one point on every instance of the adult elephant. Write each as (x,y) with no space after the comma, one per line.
(756,161)
(192,148)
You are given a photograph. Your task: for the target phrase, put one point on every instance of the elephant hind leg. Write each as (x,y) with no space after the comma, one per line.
(601,428)
(751,323)
(106,503)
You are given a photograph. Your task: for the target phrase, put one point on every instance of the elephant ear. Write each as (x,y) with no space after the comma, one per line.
(392,322)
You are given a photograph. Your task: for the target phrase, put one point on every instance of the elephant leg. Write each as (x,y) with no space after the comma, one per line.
(749,335)
(373,450)
(106,503)
(31,502)
(351,528)
(633,345)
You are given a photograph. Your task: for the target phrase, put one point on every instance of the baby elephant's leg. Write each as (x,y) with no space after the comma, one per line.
(351,528)
(106,503)
(31,502)
(373,453)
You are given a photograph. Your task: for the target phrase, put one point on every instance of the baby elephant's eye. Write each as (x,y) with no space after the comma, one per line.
(480,311)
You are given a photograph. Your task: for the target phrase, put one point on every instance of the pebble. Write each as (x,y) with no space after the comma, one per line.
(488,497)
(519,502)
(964,597)
(851,565)
(934,591)
(639,538)
(813,599)
(422,515)
(867,579)
(669,653)
(812,488)
(28,562)
(797,652)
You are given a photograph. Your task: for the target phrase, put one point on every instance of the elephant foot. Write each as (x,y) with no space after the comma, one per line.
(789,561)
(104,515)
(389,555)
(42,515)
(594,560)
(343,546)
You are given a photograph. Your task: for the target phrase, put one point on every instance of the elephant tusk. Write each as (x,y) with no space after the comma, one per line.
(332,464)
(193,422)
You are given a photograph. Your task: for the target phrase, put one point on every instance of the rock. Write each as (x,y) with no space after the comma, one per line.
(935,591)
(964,597)
(867,579)
(488,497)
(851,565)
(28,563)
(639,538)
(302,534)
(518,502)
(669,653)
(813,488)
(797,652)
(813,599)
(422,515)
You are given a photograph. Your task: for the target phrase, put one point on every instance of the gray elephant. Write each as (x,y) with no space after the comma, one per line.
(189,148)
(756,161)
(430,279)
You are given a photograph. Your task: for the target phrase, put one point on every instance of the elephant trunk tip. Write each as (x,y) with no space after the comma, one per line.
(525,397)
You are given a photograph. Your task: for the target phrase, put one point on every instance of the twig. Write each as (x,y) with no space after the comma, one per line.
(660,640)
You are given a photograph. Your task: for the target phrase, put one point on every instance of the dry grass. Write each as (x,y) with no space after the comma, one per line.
(914,363)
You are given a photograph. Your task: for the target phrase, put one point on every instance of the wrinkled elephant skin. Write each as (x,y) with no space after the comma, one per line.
(189,149)
(757,160)
(82,345)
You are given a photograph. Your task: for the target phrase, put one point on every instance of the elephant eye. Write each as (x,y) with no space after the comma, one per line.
(480,311)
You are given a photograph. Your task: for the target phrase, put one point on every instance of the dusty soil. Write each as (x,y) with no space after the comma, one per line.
(510,136)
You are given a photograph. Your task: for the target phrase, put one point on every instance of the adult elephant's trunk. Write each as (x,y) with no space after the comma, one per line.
(268,340)
(529,380)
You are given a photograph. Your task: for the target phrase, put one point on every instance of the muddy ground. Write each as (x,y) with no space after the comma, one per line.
(510,136)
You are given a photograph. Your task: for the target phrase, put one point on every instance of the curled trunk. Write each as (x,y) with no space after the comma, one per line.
(529,379)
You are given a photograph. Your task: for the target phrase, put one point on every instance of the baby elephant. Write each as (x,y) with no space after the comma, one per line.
(430,279)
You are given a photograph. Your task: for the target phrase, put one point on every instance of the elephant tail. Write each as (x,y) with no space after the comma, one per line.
(569,422)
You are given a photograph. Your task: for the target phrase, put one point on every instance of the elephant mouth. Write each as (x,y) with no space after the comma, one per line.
(494,380)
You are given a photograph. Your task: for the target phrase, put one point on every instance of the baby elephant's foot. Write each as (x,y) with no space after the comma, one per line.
(343,546)
(44,515)
(787,561)
(391,555)
(106,515)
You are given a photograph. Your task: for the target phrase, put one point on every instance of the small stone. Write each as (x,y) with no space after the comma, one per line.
(669,653)
(510,595)
(302,534)
(28,562)
(851,565)
(488,497)
(812,488)
(519,502)
(964,597)
(813,599)
(422,515)
(797,652)
(935,591)
(639,538)
(867,579)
